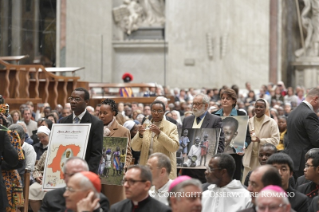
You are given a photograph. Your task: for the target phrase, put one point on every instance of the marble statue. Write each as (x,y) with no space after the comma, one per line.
(133,14)
(310,21)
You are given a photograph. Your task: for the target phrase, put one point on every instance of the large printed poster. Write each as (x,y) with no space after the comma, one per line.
(111,169)
(235,130)
(197,147)
(66,141)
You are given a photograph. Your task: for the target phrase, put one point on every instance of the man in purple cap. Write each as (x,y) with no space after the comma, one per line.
(185,195)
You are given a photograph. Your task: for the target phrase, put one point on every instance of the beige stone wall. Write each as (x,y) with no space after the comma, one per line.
(245,22)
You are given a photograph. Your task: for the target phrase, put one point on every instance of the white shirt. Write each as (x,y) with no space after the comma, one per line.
(215,199)
(309,105)
(162,193)
(30,156)
(79,116)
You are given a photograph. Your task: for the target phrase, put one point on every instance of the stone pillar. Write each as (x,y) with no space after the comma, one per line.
(273,41)
(306,73)
(16,27)
(4,13)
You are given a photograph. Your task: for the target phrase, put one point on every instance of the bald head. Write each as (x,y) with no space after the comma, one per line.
(72,166)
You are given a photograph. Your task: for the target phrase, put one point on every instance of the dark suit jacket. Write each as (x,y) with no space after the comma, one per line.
(303,134)
(10,155)
(95,143)
(210,121)
(313,207)
(54,201)
(299,202)
(149,204)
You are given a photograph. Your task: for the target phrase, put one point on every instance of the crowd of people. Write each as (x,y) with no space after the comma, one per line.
(277,171)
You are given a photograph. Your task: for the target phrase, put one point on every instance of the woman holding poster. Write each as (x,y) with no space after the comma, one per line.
(112,128)
(228,100)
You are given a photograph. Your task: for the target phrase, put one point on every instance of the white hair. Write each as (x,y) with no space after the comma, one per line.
(270,193)
(205,100)
(162,99)
(86,184)
(90,108)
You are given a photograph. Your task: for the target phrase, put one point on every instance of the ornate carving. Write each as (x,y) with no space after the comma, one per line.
(133,14)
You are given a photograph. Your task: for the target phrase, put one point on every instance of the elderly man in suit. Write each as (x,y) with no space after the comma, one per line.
(79,100)
(54,200)
(203,119)
(303,130)
(10,155)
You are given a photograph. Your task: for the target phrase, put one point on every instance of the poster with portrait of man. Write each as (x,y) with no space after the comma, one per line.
(197,147)
(235,130)
(111,168)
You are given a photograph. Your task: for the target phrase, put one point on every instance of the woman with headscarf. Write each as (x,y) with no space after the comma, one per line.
(10,174)
(263,129)
(35,192)
(112,128)
(133,128)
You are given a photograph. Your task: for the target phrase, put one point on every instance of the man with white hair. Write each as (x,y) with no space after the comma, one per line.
(54,200)
(272,198)
(90,109)
(160,166)
(201,118)
(82,193)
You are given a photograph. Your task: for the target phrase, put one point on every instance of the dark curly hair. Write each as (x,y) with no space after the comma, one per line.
(112,104)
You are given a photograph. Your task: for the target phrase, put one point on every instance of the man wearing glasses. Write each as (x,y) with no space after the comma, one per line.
(224,193)
(311,173)
(202,119)
(137,181)
(79,100)
(54,200)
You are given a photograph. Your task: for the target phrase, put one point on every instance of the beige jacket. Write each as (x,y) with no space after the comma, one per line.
(269,133)
(166,143)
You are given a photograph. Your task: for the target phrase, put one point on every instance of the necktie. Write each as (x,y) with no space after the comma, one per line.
(76,120)
(197,120)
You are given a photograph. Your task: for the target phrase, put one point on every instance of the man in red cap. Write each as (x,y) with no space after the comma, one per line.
(82,192)
(54,200)
(127,92)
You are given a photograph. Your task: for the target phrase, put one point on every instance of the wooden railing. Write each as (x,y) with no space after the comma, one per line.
(21,83)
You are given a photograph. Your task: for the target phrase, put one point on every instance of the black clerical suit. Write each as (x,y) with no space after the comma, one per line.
(310,189)
(10,156)
(54,201)
(299,202)
(95,143)
(147,205)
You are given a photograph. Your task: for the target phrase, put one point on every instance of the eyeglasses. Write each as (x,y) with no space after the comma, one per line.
(157,111)
(196,104)
(210,170)
(270,207)
(131,182)
(76,99)
(308,166)
(70,189)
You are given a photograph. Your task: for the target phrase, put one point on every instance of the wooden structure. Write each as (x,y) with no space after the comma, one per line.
(26,187)
(96,99)
(22,83)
